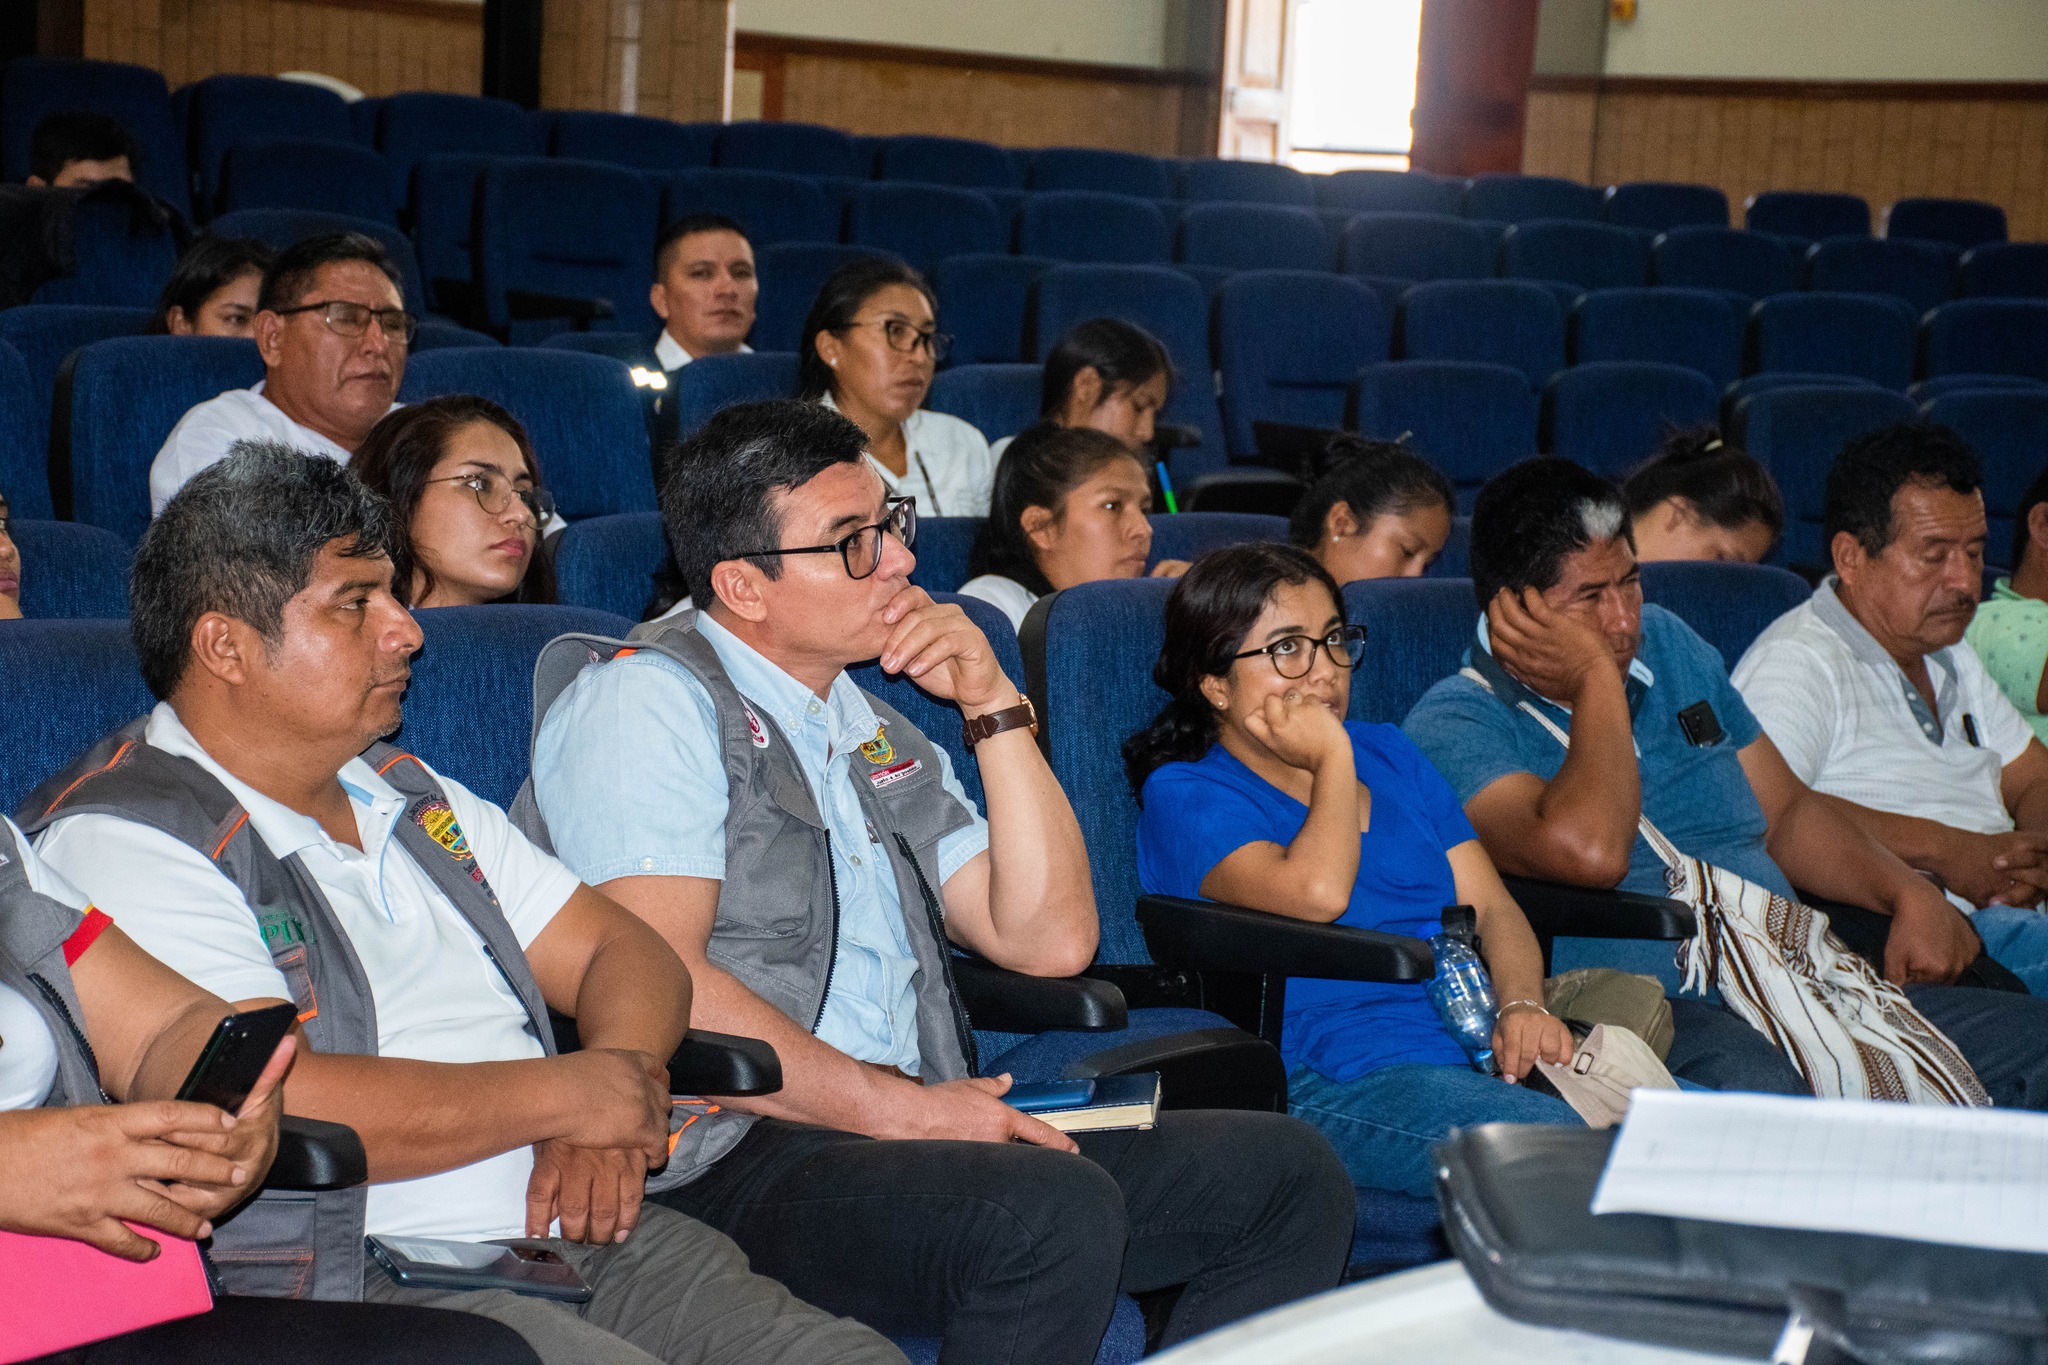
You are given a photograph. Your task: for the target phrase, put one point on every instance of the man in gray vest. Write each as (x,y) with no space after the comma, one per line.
(244,833)
(812,858)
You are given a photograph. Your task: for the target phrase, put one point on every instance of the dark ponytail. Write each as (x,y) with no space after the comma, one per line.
(1209,612)
(1039,469)
(1723,484)
(1372,478)
(1123,354)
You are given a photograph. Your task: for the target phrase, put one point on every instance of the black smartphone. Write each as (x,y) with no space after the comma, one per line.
(1699,724)
(520,1264)
(234,1057)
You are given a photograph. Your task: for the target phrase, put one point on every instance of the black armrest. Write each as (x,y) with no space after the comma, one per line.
(1011,1002)
(1207,936)
(315,1155)
(1556,910)
(722,1064)
(527,304)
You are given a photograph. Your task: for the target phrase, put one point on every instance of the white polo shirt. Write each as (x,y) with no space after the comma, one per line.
(951,473)
(1004,593)
(204,435)
(672,357)
(1851,725)
(438,996)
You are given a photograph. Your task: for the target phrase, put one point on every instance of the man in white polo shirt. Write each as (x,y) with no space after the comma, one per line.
(333,331)
(1874,698)
(247,837)
(704,289)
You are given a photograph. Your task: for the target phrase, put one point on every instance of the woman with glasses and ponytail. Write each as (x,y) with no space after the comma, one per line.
(1258,793)
(869,349)
(462,481)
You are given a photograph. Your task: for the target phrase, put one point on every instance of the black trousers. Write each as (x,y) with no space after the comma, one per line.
(265,1331)
(1017,1253)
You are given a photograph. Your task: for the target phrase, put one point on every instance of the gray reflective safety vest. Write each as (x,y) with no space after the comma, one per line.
(777,929)
(33,929)
(291,1244)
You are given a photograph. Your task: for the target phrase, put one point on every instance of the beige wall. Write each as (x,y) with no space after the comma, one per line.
(665,58)
(1834,40)
(1117,32)
(379,47)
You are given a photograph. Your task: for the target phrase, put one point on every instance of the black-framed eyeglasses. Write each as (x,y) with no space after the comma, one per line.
(494,493)
(353,319)
(906,337)
(1294,655)
(860,550)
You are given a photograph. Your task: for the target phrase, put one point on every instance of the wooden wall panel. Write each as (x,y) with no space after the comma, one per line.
(1883,142)
(382,46)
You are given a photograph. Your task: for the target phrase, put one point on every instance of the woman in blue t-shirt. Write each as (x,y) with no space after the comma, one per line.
(1258,793)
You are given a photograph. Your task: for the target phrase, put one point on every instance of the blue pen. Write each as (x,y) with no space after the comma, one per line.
(1166,487)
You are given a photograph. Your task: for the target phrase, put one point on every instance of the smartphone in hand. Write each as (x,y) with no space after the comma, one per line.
(234,1057)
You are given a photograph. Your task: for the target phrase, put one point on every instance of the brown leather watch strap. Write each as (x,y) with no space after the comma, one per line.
(1019,717)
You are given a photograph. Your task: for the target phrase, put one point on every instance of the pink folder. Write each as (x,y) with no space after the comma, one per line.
(60,1293)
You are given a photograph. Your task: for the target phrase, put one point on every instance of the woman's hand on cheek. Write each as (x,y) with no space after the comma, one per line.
(1300,732)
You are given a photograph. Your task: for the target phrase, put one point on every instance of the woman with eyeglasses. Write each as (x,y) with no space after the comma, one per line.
(1258,793)
(462,480)
(870,346)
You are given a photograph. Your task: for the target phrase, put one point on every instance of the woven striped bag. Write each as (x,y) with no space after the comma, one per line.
(1850,1033)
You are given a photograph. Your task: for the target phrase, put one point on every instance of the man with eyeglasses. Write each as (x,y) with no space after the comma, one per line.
(814,861)
(333,331)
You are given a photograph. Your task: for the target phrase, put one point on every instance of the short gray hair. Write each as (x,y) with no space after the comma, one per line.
(240,539)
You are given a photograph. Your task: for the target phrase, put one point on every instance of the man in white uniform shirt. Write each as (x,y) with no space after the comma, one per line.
(265,622)
(333,331)
(704,289)
(1874,698)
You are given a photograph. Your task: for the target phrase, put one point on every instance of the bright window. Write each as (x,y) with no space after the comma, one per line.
(1352,88)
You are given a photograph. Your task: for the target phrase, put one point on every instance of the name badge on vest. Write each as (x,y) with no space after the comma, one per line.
(881,755)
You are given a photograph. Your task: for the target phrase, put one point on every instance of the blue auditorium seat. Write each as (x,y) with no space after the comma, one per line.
(73,682)
(944,547)
(1455,561)
(1796,432)
(1588,255)
(43,335)
(1469,420)
(792,148)
(362,119)
(1388,192)
(999,400)
(1807,215)
(24,439)
(1921,273)
(70,570)
(442,336)
(1419,246)
(1656,206)
(629,348)
(133,96)
(444,222)
(1101,171)
(1869,336)
(1961,222)
(2012,270)
(330,176)
(1700,328)
(1090,226)
(1927,390)
(704,386)
(608,563)
(1245,182)
(1190,535)
(1503,198)
(1749,263)
(791,275)
(470,703)
(282,227)
(419,124)
(572,229)
(1498,322)
(2008,428)
(1165,303)
(984,300)
(222,111)
(1612,415)
(1729,603)
(1986,336)
(648,144)
(126,393)
(924,223)
(582,412)
(947,161)
(771,206)
(1288,345)
(1253,237)
(1416,632)
(120,263)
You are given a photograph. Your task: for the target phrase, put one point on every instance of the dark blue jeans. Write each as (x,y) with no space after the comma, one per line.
(2003,1035)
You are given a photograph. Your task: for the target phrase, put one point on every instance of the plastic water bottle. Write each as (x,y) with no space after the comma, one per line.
(1464,998)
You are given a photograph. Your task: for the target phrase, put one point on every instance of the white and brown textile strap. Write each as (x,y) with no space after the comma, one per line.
(1849,1032)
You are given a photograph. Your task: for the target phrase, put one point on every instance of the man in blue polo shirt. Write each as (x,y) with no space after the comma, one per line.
(1657,729)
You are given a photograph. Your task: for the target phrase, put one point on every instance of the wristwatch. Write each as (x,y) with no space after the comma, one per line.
(1021,716)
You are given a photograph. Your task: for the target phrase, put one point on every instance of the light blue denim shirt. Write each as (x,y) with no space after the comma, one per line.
(628,778)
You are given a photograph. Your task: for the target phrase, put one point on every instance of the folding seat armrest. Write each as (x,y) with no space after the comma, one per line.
(1210,936)
(526,304)
(722,1064)
(315,1155)
(1558,910)
(1011,1002)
